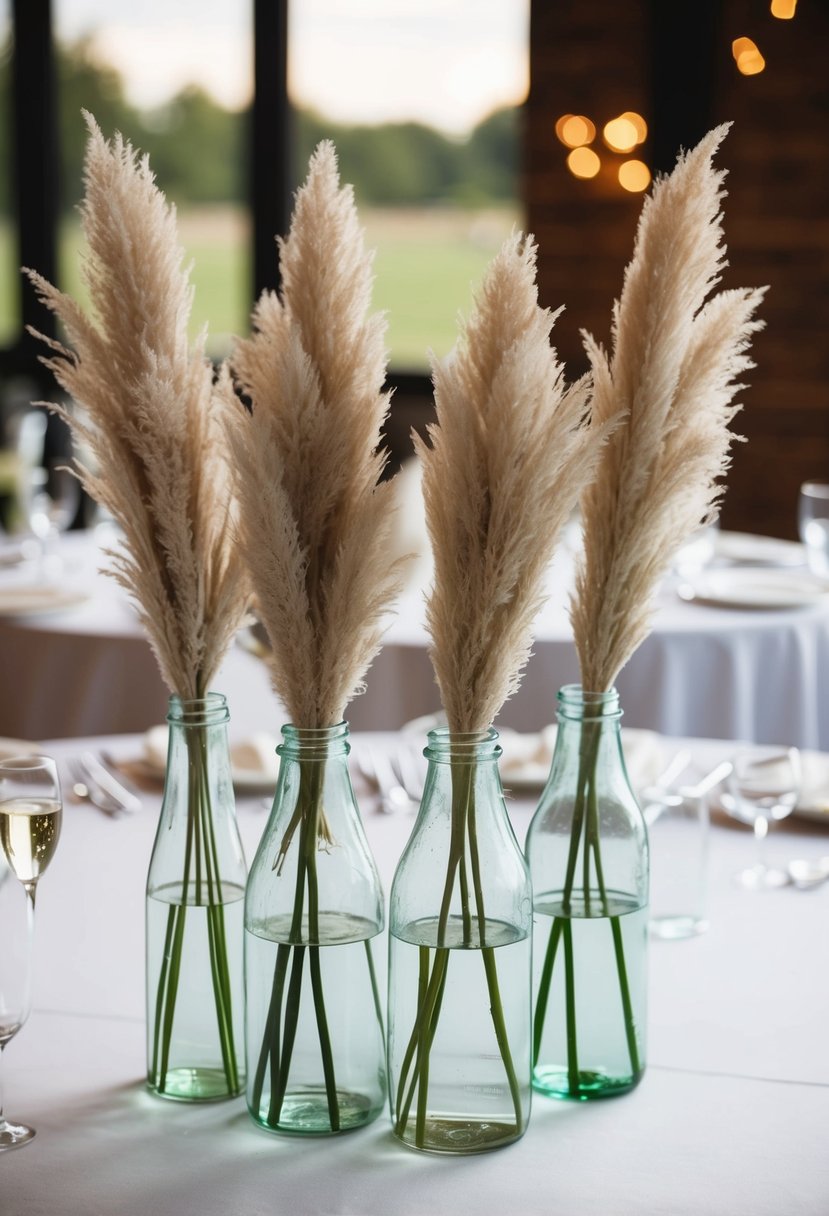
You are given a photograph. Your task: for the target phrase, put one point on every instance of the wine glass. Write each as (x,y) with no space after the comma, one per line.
(52,498)
(763,786)
(30,817)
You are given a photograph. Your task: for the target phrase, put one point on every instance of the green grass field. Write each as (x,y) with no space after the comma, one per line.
(427,262)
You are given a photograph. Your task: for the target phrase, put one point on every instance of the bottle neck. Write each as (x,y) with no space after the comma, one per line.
(210,710)
(457,748)
(320,744)
(576,705)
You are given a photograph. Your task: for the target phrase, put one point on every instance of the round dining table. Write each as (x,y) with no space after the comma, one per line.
(732,670)
(729,1119)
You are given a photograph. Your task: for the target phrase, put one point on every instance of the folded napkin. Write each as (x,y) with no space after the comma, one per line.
(527,757)
(253,761)
(814,788)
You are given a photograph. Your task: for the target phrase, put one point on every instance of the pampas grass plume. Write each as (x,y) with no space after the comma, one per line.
(510,453)
(153,431)
(314,516)
(672,375)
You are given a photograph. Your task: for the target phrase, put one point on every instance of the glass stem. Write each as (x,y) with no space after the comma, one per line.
(761,831)
(2,1116)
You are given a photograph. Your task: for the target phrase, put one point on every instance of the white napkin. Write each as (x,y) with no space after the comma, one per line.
(253,760)
(814,788)
(526,759)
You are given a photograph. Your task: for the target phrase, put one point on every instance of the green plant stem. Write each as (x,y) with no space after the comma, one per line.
(586,824)
(201,872)
(544,986)
(431,983)
(283,1015)
(570,1004)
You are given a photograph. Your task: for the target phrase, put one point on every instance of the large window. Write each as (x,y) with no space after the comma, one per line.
(421,98)
(175,76)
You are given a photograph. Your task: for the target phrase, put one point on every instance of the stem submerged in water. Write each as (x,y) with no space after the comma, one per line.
(434,964)
(201,887)
(284,1009)
(584,831)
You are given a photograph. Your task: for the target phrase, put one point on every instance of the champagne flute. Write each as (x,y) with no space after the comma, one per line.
(763,786)
(30,817)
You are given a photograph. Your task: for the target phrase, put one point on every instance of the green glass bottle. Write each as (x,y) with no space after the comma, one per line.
(587,849)
(314,1025)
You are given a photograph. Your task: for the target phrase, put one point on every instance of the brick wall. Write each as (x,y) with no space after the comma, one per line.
(594,57)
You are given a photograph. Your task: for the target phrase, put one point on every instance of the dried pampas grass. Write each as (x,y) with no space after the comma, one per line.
(314,517)
(511,451)
(153,427)
(672,372)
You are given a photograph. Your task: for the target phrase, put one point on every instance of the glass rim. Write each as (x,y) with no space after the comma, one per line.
(446,745)
(209,710)
(820,489)
(573,700)
(27,763)
(314,742)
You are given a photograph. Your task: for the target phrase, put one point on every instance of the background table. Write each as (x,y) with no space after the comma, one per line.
(730,1119)
(757,675)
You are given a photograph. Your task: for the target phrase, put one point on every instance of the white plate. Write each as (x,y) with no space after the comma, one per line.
(751,587)
(758,550)
(37,599)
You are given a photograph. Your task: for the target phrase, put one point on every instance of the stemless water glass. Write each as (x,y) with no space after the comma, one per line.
(763,786)
(813,523)
(30,815)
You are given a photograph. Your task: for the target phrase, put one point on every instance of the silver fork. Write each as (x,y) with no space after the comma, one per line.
(407,770)
(376,768)
(87,788)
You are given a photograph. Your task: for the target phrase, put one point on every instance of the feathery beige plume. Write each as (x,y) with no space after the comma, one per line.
(314,517)
(672,373)
(153,422)
(511,451)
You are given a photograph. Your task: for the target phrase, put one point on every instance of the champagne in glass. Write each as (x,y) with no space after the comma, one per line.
(30,816)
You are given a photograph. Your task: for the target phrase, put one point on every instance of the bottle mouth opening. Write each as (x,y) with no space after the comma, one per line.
(574,702)
(447,745)
(314,742)
(210,710)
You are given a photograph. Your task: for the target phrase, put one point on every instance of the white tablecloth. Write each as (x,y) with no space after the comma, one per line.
(730,1119)
(714,672)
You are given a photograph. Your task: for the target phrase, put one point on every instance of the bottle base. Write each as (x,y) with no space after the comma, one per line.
(305,1112)
(195,1085)
(458,1136)
(555,1082)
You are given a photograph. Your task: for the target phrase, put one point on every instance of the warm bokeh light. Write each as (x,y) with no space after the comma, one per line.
(750,63)
(740,45)
(784,9)
(560,125)
(620,134)
(639,123)
(575,130)
(634,175)
(583,162)
(747,56)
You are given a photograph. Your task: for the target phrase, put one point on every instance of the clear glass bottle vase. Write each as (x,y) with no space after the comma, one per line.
(460,960)
(314,1022)
(195,903)
(588,853)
